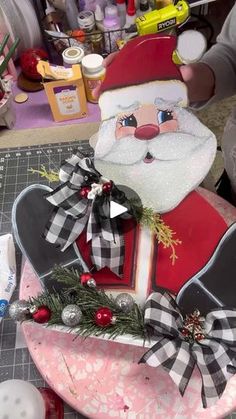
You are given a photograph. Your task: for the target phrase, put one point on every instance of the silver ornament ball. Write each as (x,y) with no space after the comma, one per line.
(71,315)
(19,310)
(91,283)
(125,302)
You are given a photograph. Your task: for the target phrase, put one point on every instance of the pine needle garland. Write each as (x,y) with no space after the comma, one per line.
(89,300)
(51,176)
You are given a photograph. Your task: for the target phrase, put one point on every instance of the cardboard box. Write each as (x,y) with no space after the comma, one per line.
(65,91)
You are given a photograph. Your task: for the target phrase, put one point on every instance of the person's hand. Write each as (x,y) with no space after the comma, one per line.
(200,81)
(106,62)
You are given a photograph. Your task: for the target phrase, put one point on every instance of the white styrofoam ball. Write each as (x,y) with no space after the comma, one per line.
(20,400)
(191,46)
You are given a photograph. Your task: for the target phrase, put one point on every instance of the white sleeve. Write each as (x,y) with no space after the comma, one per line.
(222,60)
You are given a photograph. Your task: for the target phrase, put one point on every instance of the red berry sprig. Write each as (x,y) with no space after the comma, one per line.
(107,187)
(84,192)
(192,330)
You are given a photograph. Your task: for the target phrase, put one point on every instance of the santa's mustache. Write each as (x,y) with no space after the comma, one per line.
(166,147)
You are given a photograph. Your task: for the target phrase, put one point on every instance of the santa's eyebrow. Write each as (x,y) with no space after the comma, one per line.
(129,109)
(162,105)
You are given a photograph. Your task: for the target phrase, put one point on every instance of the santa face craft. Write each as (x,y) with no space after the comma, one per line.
(147,140)
(151,143)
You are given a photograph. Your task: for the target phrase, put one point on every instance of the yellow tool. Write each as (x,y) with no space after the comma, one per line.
(163,19)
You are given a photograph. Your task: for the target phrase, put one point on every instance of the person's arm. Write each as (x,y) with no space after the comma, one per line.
(214,78)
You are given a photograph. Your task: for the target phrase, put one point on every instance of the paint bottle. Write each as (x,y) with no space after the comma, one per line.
(72,55)
(93,73)
(121,6)
(111,25)
(130,14)
(99,16)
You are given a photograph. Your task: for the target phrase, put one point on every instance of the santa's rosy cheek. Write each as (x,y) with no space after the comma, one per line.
(169,126)
(121,132)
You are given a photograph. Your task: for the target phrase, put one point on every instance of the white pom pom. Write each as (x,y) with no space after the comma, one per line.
(191,46)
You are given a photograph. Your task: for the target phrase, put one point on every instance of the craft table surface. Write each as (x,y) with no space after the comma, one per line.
(36,112)
(103,379)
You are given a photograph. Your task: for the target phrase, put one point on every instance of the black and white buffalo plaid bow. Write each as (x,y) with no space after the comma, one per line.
(82,200)
(183,342)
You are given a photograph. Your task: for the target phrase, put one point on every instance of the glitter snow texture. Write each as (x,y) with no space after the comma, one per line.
(162,170)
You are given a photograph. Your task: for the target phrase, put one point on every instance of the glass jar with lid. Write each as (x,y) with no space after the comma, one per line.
(72,55)
(97,41)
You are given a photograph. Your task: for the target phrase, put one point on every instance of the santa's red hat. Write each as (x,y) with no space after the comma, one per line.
(143,72)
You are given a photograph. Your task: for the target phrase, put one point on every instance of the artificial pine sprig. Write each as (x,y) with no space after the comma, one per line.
(164,234)
(89,300)
(51,176)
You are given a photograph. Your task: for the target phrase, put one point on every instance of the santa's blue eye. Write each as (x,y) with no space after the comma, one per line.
(128,121)
(164,116)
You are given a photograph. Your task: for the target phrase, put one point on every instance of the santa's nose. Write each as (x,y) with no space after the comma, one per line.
(146,132)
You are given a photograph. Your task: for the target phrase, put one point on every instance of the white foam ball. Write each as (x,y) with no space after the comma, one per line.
(191,46)
(20,400)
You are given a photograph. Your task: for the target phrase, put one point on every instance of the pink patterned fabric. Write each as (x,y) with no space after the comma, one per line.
(103,380)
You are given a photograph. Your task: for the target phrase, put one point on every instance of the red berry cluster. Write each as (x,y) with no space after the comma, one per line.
(106,188)
(192,329)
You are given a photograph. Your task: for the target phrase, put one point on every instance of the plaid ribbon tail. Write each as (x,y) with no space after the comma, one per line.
(175,358)
(213,359)
(108,248)
(109,254)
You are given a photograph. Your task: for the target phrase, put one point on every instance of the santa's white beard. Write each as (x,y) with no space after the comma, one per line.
(181,162)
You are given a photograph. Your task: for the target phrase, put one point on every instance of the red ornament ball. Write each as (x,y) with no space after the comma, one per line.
(42,315)
(103,317)
(85,276)
(29,60)
(84,191)
(107,187)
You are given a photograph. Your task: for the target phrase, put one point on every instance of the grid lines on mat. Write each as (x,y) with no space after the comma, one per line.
(15,175)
